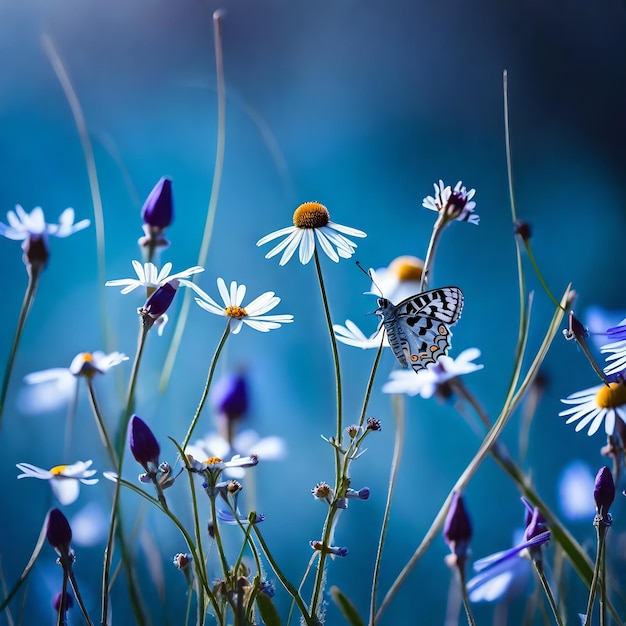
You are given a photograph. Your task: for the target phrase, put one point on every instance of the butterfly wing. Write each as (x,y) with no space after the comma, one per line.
(417,328)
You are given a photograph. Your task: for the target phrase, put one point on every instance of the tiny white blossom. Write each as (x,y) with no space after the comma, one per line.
(23,225)
(252,314)
(149,277)
(64,479)
(455,204)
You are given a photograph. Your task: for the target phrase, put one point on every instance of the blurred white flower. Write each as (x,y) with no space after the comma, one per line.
(23,225)
(401,280)
(576,485)
(64,479)
(90,525)
(352,335)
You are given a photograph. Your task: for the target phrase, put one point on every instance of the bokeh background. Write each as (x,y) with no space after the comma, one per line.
(361,105)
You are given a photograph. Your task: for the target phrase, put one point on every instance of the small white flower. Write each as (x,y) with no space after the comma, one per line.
(23,225)
(312,220)
(595,405)
(427,381)
(576,485)
(352,335)
(64,479)
(455,204)
(253,314)
(149,277)
(57,386)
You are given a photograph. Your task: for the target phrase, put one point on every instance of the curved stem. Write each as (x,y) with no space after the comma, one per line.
(438,229)
(399,414)
(207,385)
(546,588)
(100,422)
(29,297)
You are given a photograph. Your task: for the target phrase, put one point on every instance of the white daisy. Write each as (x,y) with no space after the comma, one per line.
(253,314)
(352,335)
(595,405)
(64,479)
(454,204)
(401,280)
(617,349)
(149,277)
(55,387)
(23,225)
(428,380)
(311,220)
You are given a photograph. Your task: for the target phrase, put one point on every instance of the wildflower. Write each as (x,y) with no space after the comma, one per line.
(229,397)
(227,517)
(433,379)
(358,494)
(333,550)
(311,220)
(253,314)
(457,532)
(157,214)
(454,204)
(401,280)
(576,491)
(373,424)
(597,404)
(351,335)
(64,479)
(604,494)
(157,304)
(323,491)
(151,279)
(58,531)
(57,386)
(267,587)
(184,563)
(214,465)
(33,230)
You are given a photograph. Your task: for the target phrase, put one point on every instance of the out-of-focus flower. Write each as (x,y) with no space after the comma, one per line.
(433,379)
(33,230)
(332,550)
(149,277)
(351,335)
(597,320)
(57,386)
(401,280)
(595,405)
(56,601)
(457,531)
(311,220)
(227,517)
(616,348)
(90,525)
(229,397)
(576,492)
(214,465)
(64,479)
(245,443)
(604,494)
(252,315)
(58,531)
(454,204)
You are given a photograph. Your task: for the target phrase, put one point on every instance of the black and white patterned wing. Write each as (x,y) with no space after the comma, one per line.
(418,328)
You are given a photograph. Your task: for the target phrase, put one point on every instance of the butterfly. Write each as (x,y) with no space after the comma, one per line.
(417,328)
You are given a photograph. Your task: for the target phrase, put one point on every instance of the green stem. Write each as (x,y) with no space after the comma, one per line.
(212,207)
(29,297)
(399,414)
(79,598)
(438,229)
(546,588)
(100,422)
(207,385)
(466,603)
(598,575)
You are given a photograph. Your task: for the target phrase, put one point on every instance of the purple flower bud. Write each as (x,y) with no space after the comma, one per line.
(604,493)
(457,529)
(56,601)
(158,209)
(160,300)
(230,397)
(143,445)
(58,531)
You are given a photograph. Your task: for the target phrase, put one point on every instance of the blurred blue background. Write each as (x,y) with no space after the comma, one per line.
(360,105)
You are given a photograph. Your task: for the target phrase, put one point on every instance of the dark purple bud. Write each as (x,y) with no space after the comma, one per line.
(56,601)
(143,445)
(158,209)
(230,397)
(160,300)
(58,531)
(36,253)
(604,493)
(457,530)
(522,229)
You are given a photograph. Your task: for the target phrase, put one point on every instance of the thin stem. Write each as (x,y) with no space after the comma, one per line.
(546,588)
(370,382)
(71,419)
(212,207)
(100,422)
(62,612)
(399,414)
(207,385)
(27,302)
(79,598)
(598,575)
(438,229)
(466,603)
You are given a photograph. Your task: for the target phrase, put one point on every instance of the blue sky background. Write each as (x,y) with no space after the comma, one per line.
(366,104)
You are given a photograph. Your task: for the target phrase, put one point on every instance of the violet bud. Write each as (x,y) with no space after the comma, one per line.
(604,494)
(58,531)
(56,601)
(158,209)
(457,529)
(158,303)
(143,445)
(230,397)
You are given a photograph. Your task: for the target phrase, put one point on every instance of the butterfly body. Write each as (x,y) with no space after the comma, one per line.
(417,328)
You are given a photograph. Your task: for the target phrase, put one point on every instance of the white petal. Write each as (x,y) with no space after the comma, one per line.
(276,234)
(65,489)
(221,286)
(164,273)
(326,246)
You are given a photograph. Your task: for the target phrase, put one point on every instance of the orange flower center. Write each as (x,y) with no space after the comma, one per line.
(235,311)
(87,357)
(407,268)
(311,215)
(612,396)
(213,460)
(58,470)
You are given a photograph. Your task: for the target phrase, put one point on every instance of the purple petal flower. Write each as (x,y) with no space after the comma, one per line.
(56,601)
(143,445)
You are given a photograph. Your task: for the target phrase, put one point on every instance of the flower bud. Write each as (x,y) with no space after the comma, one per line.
(143,445)
(58,531)
(457,530)
(158,209)
(604,494)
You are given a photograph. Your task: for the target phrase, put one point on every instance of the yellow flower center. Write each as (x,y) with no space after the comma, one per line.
(612,396)
(213,460)
(311,215)
(407,268)
(58,470)
(87,357)
(235,311)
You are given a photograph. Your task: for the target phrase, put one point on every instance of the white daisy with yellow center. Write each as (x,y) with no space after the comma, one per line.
(311,220)
(252,314)
(149,277)
(602,403)
(64,479)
